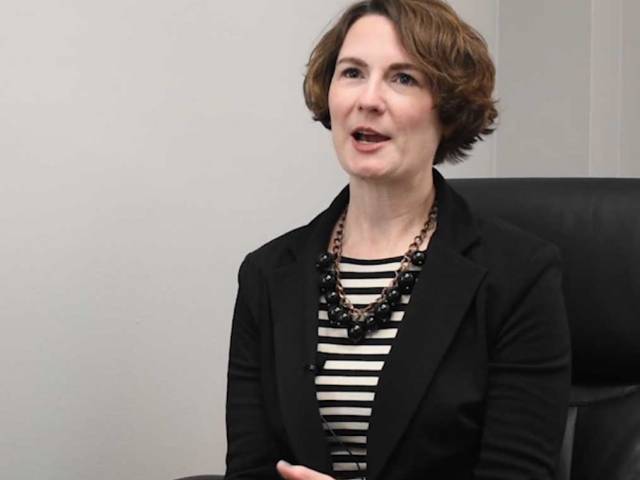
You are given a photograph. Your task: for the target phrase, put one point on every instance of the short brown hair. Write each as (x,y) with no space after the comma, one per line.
(451,53)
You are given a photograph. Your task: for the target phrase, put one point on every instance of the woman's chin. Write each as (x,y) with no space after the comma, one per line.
(369,170)
(371,176)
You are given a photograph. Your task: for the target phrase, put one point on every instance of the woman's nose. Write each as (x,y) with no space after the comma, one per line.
(371,98)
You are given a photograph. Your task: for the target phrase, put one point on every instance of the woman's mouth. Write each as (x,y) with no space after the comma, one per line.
(367,140)
(368,135)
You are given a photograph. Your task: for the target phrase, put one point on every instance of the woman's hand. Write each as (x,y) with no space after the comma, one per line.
(299,472)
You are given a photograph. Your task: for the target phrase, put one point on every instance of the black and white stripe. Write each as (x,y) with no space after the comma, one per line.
(347,384)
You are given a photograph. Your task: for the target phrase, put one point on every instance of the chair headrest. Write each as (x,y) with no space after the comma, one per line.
(596,225)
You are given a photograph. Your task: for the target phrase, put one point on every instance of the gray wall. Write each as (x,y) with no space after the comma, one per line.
(146,146)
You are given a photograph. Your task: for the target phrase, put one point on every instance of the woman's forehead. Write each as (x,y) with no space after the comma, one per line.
(374,39)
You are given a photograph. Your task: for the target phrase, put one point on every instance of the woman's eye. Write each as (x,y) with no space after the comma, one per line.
(406,79)
(351,72)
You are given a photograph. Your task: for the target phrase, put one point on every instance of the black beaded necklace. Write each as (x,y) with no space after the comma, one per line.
(358,321)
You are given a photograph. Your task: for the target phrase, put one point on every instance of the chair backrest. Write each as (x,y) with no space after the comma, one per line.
(596,225)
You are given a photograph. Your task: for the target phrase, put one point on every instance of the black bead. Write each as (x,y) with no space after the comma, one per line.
(325,261)
(343,319)
(335,315)
(332,297)
(370,322)
(334,312)
(393,296)
(356,332)
(327,281)
(383,312)
(406,282)
(418,258)
(334,323)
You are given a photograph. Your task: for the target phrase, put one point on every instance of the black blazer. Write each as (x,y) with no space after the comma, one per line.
(476,384)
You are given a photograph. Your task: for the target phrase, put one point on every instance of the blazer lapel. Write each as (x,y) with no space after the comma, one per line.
(293,315)
(294,293)
(446,287)
(440,298)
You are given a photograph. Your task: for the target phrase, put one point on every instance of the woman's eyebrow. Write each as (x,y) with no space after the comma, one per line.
(354,60)
(404,66)
(393,66)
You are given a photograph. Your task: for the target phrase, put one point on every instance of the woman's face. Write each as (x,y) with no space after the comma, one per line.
(383,121)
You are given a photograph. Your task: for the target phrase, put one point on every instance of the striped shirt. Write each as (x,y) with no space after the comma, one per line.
(346,386)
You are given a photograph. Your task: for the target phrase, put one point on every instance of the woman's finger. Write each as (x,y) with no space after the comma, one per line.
(299,472)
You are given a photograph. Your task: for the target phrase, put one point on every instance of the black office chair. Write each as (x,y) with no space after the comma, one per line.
(596,224)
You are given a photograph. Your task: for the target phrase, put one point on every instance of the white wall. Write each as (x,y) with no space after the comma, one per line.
(146,146)
(567,86)
(544,87)
(629,79)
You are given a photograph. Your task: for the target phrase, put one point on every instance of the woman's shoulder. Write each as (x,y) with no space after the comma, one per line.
(500,236)
(522,288)
(509,252)
(279,250)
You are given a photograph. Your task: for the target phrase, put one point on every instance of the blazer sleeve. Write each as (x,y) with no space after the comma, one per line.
(252,451)
(529,377)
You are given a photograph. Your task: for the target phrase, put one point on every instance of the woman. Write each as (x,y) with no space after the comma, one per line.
(423,342)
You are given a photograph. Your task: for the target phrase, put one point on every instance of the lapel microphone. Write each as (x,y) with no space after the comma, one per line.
(318,364)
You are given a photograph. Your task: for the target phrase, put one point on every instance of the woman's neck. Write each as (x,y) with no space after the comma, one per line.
(383,219)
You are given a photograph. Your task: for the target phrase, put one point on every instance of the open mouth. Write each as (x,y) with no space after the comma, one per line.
(369,136)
